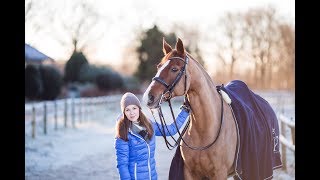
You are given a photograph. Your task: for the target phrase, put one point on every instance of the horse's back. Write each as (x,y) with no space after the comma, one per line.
(250,99)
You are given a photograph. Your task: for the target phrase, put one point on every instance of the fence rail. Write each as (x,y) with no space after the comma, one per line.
(71,111)
(286,143)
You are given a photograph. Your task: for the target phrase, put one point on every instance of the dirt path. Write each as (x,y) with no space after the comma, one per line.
(94,167)
(102,166)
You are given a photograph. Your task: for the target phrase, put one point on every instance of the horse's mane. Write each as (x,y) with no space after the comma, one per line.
(201,67)
(175,53)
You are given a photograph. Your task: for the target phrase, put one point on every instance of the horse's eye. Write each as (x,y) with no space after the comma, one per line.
(174,69)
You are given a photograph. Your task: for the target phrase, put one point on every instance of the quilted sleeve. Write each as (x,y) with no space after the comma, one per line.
(122,158)
(181,118)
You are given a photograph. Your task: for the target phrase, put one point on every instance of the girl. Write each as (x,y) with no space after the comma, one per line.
(135,139)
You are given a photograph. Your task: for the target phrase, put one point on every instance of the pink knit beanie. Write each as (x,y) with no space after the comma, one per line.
(129,99)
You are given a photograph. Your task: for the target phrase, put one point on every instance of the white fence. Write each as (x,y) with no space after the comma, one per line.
(64,112)
(286,142)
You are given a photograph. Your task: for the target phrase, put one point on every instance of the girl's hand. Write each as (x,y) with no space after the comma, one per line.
(186,106)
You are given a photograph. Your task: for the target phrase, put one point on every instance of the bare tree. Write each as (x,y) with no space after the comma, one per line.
(191,36)
(260,34)
(82,28)
(76,25)
(285,56)
(28,9)
(37,16)
(229,43)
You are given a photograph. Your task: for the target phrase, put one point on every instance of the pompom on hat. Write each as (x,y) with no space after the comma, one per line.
(129,99)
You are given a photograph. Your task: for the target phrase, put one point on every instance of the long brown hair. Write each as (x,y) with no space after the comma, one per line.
(123,124)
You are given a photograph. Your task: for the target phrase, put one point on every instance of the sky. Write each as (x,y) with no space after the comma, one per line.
(87,152)
(125,17)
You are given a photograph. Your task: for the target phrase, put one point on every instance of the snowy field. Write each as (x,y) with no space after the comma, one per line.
(86,152)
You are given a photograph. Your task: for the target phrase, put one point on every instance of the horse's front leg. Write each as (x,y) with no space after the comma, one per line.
(187,174)
(192,175)
(220,175)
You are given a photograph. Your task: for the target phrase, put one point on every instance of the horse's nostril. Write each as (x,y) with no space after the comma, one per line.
(150,99)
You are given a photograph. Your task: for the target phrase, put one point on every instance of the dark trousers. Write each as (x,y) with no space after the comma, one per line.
(176,167)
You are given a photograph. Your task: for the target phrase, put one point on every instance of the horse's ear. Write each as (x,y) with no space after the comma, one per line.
(179,47)
(166,48)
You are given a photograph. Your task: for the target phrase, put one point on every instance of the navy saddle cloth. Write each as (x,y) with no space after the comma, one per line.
(258,133)
(257,153)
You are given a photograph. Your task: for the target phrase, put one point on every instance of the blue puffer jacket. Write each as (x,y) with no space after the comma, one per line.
(135,158)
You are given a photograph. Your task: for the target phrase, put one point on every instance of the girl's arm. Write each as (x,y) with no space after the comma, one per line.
(181,118)
(122,153)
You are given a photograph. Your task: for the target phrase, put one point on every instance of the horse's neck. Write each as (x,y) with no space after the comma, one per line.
(205,102)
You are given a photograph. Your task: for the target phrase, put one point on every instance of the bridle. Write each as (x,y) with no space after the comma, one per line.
(168,91)
(171,86)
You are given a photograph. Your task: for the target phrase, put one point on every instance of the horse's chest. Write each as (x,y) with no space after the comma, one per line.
(199,160)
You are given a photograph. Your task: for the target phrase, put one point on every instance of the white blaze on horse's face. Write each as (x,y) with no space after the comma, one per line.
(153,102)
(145,98)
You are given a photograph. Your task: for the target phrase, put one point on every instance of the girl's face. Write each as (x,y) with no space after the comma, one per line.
(132,112)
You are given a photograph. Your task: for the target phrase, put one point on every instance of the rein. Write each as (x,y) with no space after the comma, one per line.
(162,130)
(168,99)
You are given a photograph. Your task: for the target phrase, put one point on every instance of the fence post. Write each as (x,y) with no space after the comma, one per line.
(293,132)
(45,118)
(72,112)
(85,107)
(283,147)
(293,135)
(65,112)
(80,110)
(55,116)
(88,106)
(33,122)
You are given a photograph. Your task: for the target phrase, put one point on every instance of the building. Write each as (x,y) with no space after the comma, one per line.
(33,56)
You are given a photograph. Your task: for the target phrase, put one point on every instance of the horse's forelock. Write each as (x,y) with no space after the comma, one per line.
(166,57)
(173,53)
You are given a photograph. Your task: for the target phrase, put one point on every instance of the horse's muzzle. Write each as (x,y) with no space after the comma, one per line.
(153,102)
(150,100)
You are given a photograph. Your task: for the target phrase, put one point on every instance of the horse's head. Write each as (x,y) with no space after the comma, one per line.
(171,78)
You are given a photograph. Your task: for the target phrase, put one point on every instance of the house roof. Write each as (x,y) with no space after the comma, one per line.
(32,54)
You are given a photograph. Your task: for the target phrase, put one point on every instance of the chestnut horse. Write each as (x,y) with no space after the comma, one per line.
(206,128)
(239,139)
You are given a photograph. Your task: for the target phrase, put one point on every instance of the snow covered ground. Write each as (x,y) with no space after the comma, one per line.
(86,152)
